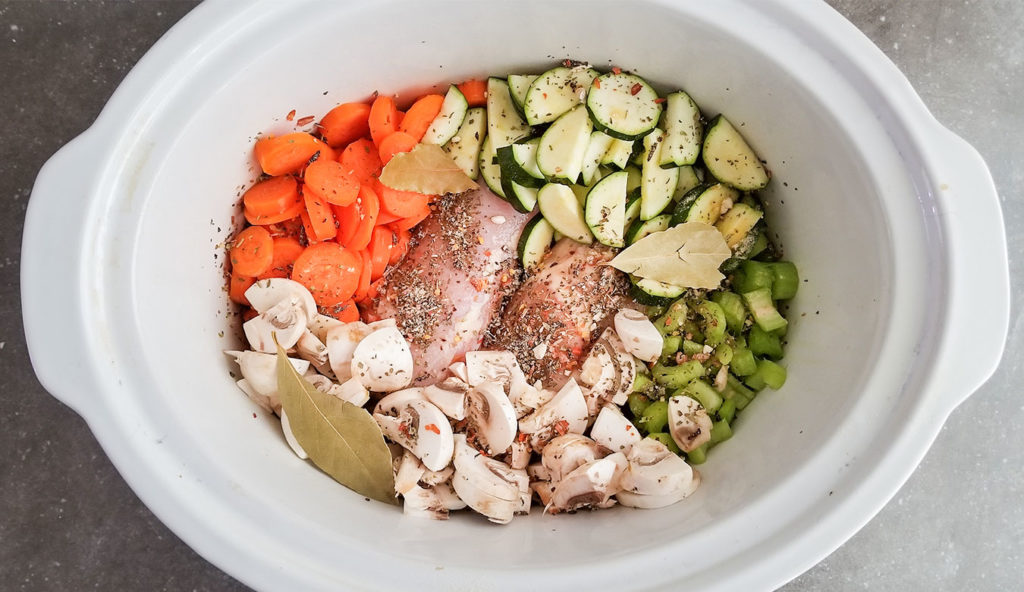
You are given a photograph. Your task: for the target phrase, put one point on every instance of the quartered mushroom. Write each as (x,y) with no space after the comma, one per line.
(260,371)
(490,366)
(639,335)
(655,476)
(382,361)
(281,324)
(309,347)
(458,370)
(490,487)
(433,502)
(566,453)
(450,396)
(422,429)
(491,417)
(612,430)
(627,366)
(289,437)
(409,472)
(589,485)
(519,454)
(352,391)
(265,294)
(688,422)
(341,342)
(321,324)
(608,371)
(393,403)
(566,412)
(262,400)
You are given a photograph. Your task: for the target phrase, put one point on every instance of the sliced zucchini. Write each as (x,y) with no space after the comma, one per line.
(729,158)
(522,198)
(535,241)
(659,185)
(489,169)
(684,204)
(654,293)
(563,145)
(504,125)
(688,179)
(562,210)
(449,119)
(623,105)
(632,208)
(683,130)
(619,153)
(704,204)
(605,210)
(737,222)
(518,85)
(556,92)
(641,228)
(516,164)
(596,148)
(464,146)
(635,179)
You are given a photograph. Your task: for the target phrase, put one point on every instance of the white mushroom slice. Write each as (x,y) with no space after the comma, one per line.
(423,502)
(565,454)
(490,366)
(519,455)
(383,361)
(566,412)
(320,324)
(627,366)
(525,496)
(458,370)
(393,403)
(532,398)
(352,391)
(653,469)
(423,430)
(289,437)
(265,294)
(282,324)
(543,489)
(449,499)
(341,342)
(639,335)
(260,370)
(262,400)
(450,396)
(612,430)
(491,416)
(591,484)
(410,471)
(651,502)
(538,472)
(688,422)
(437,477)
(383,323)
(600,373)
(309,347)
(488,486)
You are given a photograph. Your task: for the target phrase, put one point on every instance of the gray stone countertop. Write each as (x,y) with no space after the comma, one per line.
(69,522)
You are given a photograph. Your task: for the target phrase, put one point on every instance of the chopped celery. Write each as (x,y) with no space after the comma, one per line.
(786,282)
(727,412)
(732,306)
(772,374)
(670,322)
(720,431)
(743,362)
(724,353)
(676,377)
(667,440)
(654,312)
(671,346)
(755,276)
(698,455)
(654,418)
(703,392)
(762,308)
(641,382)
(737,392)
(638,403)
(692,347)
(762,343)
(714,324)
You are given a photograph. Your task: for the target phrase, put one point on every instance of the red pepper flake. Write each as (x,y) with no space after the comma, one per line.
(487,253)
(430,427)
(597,83)
(562,427)
(305,120)
(616,70)
(659,100)
(291,115)
(567,63)
(403,427)
(636,88)
(545,95)
(521,438)
(478,283)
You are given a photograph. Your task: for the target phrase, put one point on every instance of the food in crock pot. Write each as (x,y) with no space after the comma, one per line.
(552,288)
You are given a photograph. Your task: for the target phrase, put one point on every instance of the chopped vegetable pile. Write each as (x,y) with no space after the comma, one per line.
(593,372)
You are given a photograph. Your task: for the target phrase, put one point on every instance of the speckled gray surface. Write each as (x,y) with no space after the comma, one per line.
(69,522)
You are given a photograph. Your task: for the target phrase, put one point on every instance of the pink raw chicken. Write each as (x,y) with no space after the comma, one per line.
(449,287)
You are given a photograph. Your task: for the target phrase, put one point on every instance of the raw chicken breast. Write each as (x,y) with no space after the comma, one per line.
(451,284)
(550,322)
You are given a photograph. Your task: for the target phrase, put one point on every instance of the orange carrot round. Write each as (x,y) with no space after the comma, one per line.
(286,250)
(364,277)
(420,115)
(382,240)
(348,221)
(329,271)
(238,284)
(400,248)
(369,209)
(321,217)
(330,180)
(361,159)
(383,118)
(400,204)
(252,251)
(408,222)
(393,144)
(345,123)
(346,312)
(475,92)
(280,155)
(271,197)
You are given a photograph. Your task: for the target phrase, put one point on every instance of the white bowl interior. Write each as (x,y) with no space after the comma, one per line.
(824,203)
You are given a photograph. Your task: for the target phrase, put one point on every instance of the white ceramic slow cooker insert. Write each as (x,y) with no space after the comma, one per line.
(892,220)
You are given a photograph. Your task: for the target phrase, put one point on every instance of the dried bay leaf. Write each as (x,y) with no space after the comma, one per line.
(687,255)
(340,438)
(427,168)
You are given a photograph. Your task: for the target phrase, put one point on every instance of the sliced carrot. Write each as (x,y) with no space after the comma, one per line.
(307,227)
(286,250)
(271,197)
(383,116)
(369,209)
(386,218)
(361,159)
(329,271)
(346,312)
(321,217)
(475,92)
(394,143)
(382,240)
(400,248)
(364,277)
(348,222)
(280,155)
(345,123)
(249,314)
(400,203)
(252,251)
(330,180)
(419,116)
(238,284)
(408,222)
(374,289)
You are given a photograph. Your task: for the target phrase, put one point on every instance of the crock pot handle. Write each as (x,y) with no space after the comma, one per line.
(978,316)
(52,288)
